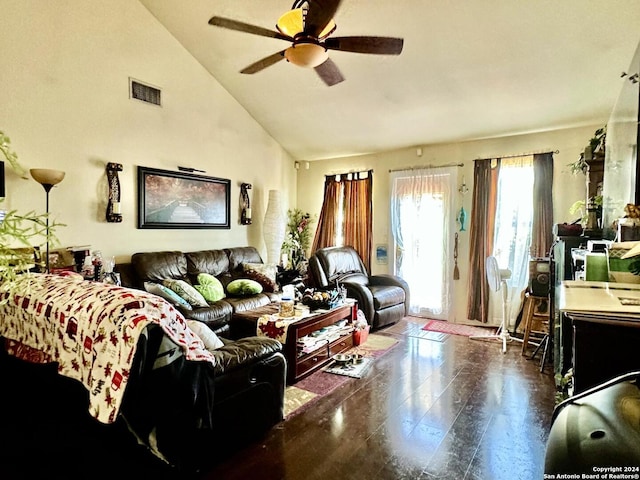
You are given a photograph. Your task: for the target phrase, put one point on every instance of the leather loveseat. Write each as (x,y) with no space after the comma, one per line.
(225,264)
(384,299)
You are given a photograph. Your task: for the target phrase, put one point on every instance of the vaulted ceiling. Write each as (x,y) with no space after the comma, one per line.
(469,69)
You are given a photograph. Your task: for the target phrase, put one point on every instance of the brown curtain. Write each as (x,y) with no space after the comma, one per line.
(358,215)
(481,232)
(542,228)
(353,194)
(327,221)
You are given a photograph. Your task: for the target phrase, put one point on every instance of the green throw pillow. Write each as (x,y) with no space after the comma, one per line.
(210,287)
(244,287)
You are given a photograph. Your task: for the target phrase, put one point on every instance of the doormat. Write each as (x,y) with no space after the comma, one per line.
(457,329)
(305,393)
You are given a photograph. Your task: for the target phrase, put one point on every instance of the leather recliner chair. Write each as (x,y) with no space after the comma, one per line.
(384,299)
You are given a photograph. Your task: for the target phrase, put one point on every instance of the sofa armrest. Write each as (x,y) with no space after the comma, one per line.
(386,279)
(239,353)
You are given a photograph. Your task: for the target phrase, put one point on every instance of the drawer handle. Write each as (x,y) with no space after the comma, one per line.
(315,359)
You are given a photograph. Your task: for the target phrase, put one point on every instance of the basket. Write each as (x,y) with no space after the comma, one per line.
(360,336)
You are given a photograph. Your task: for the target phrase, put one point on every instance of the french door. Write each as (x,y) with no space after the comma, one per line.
(423,229)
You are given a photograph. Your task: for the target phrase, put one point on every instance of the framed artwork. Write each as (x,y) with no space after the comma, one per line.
(381,254)
(169,199)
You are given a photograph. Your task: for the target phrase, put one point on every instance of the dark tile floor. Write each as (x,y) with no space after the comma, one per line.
(436,406)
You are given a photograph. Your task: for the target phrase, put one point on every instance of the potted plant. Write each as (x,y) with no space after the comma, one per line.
(19,230)
(596,146)
(298,238)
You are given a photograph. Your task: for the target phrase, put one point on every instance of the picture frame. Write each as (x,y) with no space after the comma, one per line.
(168,199)
(381,254)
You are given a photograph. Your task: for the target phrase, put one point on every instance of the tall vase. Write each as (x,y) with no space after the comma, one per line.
(274,226)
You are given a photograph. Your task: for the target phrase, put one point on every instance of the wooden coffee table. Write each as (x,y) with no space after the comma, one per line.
(299,365)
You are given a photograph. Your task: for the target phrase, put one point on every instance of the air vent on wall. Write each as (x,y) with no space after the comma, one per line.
(145,93)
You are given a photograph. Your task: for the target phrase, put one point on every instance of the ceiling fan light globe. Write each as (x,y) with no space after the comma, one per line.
(291,24)
(306,55)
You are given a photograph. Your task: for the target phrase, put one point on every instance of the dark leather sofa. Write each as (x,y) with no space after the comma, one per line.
(192,413)
(244,397)
(384,299)
(195,415)
(224,264)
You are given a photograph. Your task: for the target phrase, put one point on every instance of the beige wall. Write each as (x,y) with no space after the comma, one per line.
(65,105)
(567,187)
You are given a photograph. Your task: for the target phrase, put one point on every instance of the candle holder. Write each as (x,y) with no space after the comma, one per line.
(114,213)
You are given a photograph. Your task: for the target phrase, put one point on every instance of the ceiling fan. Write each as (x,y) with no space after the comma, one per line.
(308,26)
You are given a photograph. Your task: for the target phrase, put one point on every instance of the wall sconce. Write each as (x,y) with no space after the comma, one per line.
(114,208)
(245,204)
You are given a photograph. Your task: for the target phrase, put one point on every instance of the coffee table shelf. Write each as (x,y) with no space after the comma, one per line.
(299,366)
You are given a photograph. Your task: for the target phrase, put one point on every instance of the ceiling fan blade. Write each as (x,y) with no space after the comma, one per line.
(247,28)
(319,15)
(377,45)
(329,72)
(263,63)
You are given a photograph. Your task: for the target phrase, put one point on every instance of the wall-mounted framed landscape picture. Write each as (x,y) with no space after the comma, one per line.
(169,199)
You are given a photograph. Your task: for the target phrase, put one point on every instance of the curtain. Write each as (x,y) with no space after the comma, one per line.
(346,217)
(508,224)
(422,211)
(481,229)
(328,219)
(513,229)
(542,229)
(358,215)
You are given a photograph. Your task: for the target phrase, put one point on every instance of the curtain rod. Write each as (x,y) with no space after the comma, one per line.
(519,155)
(352,172)
(420,167)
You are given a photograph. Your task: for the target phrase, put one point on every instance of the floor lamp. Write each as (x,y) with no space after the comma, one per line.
(47,178)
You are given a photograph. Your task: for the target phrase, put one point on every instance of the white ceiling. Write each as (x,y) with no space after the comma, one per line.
(470,69)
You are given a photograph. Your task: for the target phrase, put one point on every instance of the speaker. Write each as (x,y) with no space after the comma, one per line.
(539,276)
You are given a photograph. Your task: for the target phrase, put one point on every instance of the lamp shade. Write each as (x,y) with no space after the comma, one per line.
(46,176)
(306,54)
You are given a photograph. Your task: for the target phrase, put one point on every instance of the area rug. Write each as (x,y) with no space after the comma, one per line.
(457,329)
(300,396)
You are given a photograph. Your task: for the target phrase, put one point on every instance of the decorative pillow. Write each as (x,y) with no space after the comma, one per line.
(208,336)
(210,287)
(243,287)
(168,294)
(186,291)
(263,273)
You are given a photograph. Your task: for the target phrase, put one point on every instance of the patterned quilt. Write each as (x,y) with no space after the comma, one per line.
(91,329)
